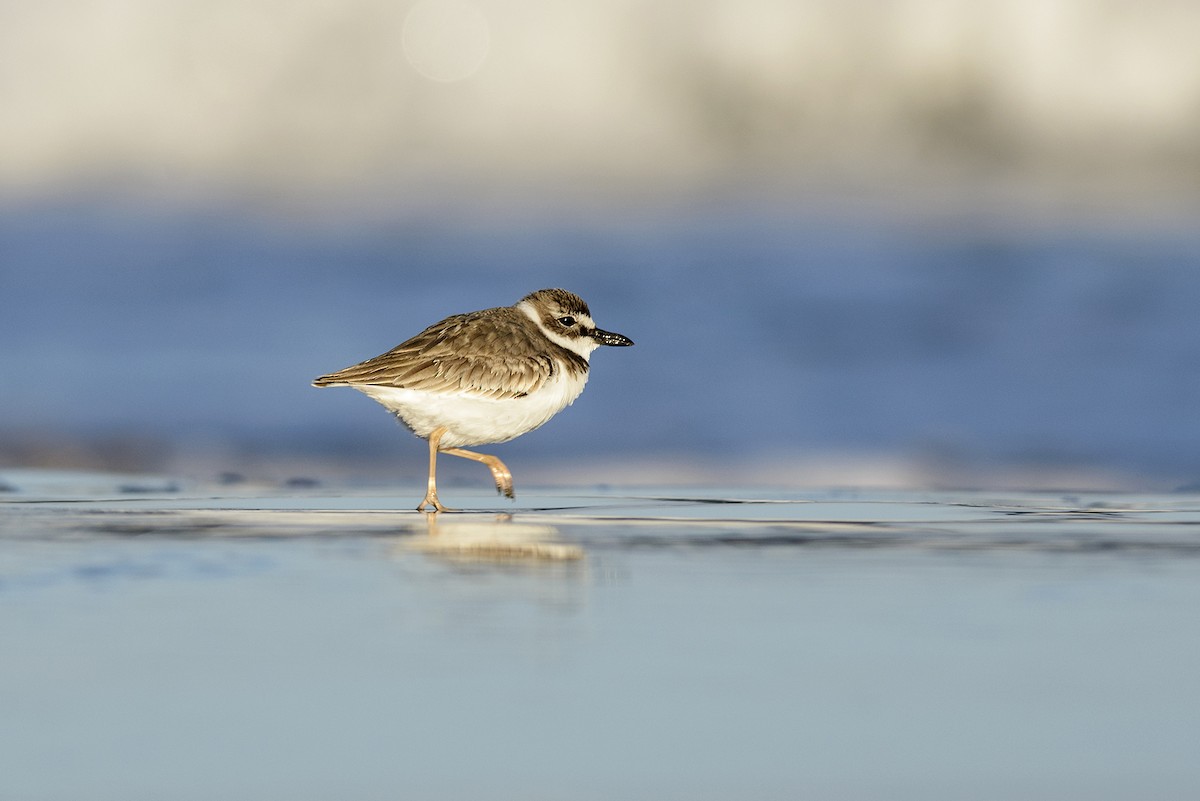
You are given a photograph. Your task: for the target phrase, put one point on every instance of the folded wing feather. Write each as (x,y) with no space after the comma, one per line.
(459,355)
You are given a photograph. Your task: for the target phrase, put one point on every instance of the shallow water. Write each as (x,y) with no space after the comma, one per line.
(166,640)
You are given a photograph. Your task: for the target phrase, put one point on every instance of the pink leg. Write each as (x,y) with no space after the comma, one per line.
(431,498)
(500,472)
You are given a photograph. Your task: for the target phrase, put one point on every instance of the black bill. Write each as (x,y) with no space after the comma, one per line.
(609,338)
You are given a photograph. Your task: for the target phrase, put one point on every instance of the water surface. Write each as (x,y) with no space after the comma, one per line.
(696,644)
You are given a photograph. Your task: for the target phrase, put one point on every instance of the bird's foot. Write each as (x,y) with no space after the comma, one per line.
(500,471)
(504,480)
(431,500)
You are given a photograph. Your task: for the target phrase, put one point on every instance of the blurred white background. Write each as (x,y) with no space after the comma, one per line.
(297,94)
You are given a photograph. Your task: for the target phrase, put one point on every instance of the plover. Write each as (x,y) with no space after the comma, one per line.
(484,377)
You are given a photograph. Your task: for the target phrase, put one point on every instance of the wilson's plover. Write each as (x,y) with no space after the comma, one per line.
(484,377)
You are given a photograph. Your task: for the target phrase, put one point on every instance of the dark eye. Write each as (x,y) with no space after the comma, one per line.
(567,321)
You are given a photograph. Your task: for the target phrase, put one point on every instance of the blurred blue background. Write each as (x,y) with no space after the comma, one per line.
(902,243)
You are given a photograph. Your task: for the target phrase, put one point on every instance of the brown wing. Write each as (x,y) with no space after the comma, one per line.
(490,353)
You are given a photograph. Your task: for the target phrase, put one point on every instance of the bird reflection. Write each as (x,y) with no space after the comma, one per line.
(498,539)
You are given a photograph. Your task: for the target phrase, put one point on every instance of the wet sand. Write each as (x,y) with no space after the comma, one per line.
(169,640)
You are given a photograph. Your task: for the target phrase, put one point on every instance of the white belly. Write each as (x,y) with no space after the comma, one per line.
(471,420)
